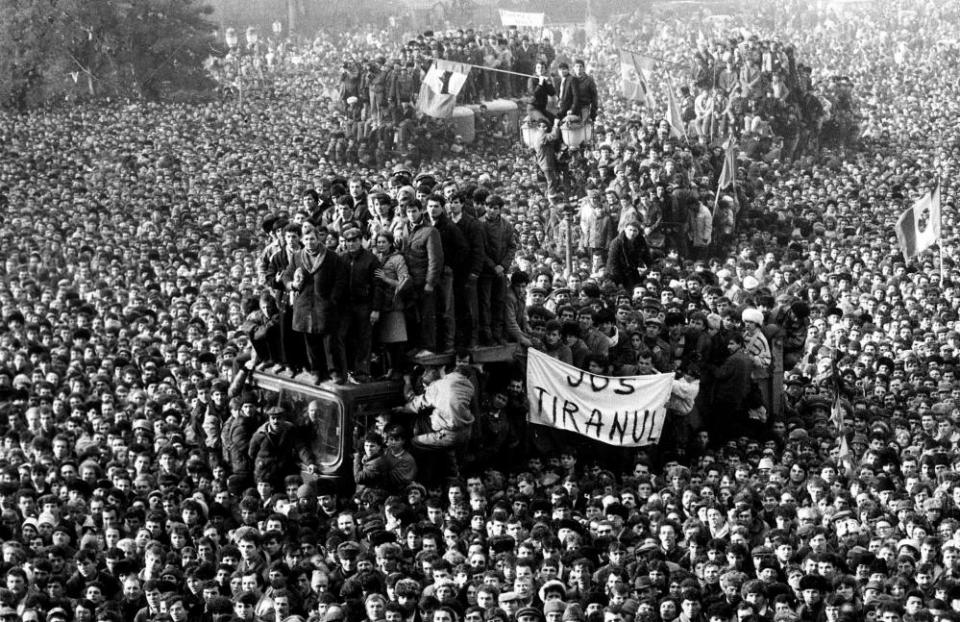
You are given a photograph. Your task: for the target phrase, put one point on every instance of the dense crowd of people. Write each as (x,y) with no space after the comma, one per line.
(156,254)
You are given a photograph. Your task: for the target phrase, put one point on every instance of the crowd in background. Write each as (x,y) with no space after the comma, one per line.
(141,481)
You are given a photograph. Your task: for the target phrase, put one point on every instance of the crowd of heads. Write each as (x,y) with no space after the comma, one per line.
(131,234)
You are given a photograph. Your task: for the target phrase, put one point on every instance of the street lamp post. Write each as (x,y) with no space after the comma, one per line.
(569,212)
(253,37)
(230,36)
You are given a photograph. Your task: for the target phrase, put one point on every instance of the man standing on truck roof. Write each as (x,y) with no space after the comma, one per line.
(364,299)
(320,282)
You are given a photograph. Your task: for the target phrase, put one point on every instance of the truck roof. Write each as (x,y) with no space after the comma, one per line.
(492,354)
(305,383)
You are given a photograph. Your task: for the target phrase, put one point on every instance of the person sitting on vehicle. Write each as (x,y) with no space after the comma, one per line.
(447,400)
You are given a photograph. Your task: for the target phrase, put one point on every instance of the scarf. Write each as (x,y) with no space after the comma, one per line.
(312,261)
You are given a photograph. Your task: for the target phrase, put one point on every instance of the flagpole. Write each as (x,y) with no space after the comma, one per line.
(512,73)
(943,278)
(716,199)
(656,58)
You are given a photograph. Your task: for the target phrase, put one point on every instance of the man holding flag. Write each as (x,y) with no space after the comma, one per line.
(918,227)
(725,209)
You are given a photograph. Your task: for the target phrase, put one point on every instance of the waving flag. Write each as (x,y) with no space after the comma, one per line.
(846,457)
(635,71)
(438,92)
(918,227)
(728,174)
(674,116)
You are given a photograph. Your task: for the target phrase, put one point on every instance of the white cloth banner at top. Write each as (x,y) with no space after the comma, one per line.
(626,411)
(521,18)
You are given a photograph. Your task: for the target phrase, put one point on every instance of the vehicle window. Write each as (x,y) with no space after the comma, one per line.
(365,413)
(324,420)
(319,421)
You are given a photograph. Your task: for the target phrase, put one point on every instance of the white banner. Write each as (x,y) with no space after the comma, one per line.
(521,18)
(626,411)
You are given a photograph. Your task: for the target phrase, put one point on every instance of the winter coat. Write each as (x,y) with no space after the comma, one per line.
(456,252)
(272,451)
(593,226)
(500,244)
(363,288)
(394,268)
(315,307)
(732,381)
(450,398)
(473,232)
(625,258)
(235,440)
(515,319)
(370,471)
(423,252)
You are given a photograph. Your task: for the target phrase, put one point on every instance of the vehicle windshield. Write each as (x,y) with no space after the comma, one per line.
(318,418)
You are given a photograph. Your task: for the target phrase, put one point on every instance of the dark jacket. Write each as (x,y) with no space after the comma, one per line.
(272,451)
(566,97)
(235,440)
(473,233)
(455,248)
(515,320)
(540,91)
(319,297)
(500,245)
(77,584)
(276,265)
(586,95)
(373,472)
(363,287)
(423,252)
(732,381)
(624,259)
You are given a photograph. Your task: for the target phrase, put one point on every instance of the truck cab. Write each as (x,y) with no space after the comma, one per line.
(336,412)
(339,414)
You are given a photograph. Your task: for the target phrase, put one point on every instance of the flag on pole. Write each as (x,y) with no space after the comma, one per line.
(634,75)
(674,117)
(728,174)
(845,457)
(918,227)
(438,92)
